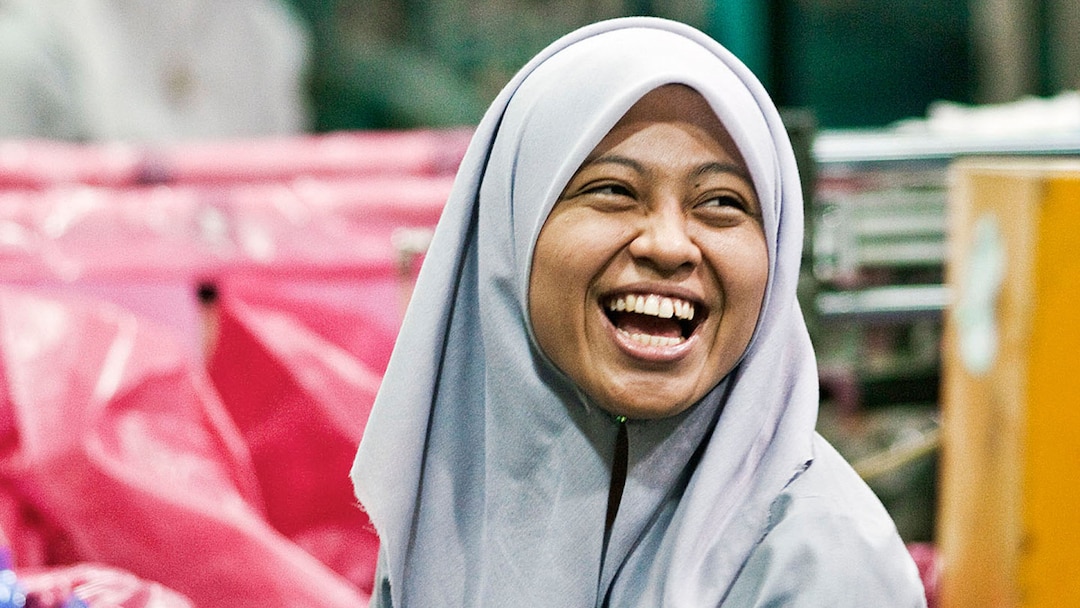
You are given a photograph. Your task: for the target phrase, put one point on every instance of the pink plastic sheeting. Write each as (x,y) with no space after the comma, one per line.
(123,462)
(147,248)
(928,563)
(117,451)
(44,163)
(304,226)
(298,364)
(98,587)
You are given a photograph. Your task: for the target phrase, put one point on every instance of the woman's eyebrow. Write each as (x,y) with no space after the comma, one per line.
(730,168)
(618,160)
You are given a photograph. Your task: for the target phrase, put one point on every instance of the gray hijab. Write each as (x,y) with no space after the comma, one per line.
(485,471)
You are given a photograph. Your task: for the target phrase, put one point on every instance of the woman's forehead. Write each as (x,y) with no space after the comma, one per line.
(681,104)
(671,102)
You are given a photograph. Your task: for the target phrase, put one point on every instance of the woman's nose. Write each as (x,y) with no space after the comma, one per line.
(663,241)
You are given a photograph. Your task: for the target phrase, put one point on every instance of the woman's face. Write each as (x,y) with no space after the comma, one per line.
(649,273)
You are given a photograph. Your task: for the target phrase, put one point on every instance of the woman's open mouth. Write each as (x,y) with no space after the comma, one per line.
(652,319)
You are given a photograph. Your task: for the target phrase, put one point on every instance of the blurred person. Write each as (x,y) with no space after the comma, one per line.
(143,70)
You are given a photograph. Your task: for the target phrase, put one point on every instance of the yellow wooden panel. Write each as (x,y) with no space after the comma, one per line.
(1051,561)
(980,526)
(1009,511)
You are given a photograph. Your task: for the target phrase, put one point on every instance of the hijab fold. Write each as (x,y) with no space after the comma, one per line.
(484,469)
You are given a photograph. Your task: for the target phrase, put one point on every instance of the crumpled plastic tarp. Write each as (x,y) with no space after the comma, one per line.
(298,364)
(76,233)
(117,451)
(40,164)
(168,451)
(98,586)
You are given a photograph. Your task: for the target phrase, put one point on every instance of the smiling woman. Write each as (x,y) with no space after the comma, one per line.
(603,393)
(662,219)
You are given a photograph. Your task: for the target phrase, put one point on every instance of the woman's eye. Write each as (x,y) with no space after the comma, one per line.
(724,209)
(724,200)
(608,197)
(610,190)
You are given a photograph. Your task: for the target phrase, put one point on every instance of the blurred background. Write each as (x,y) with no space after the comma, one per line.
(259,178)
(405,63)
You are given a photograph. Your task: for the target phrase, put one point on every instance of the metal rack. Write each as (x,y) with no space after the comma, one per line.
(874,297)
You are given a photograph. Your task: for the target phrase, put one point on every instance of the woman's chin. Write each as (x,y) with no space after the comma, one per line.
(647,407)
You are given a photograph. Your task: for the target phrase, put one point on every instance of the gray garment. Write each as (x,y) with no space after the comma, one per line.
(823,531)
(486,471)
(827,533)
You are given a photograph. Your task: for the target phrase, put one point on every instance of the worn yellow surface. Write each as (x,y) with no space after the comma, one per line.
(1009,499)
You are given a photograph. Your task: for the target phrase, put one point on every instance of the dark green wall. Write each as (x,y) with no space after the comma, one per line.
(870,62)
(410,63)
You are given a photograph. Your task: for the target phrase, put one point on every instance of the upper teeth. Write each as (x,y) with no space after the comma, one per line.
(654,305)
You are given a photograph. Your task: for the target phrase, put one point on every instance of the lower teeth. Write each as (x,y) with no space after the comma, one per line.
(649,340)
